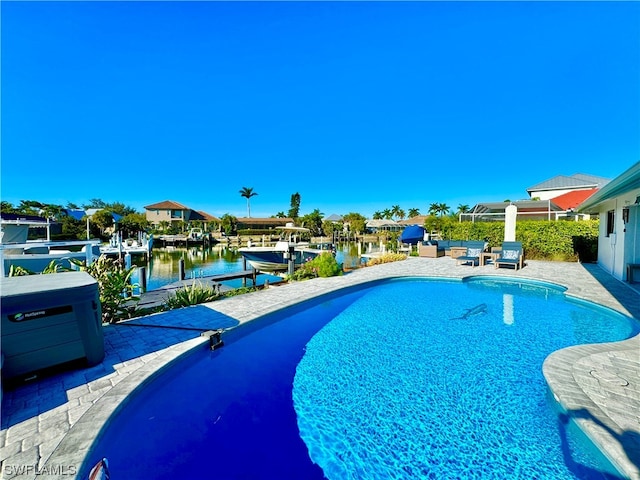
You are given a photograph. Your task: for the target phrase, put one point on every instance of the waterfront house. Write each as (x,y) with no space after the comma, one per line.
(174,212)
(383,225)
(251,223)
(553,199)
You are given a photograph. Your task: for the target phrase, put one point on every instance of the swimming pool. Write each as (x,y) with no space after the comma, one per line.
(402,379)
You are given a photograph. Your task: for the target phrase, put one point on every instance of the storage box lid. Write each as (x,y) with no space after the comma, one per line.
(21,285)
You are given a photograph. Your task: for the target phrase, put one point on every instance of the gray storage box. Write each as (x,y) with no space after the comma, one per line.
(48,320)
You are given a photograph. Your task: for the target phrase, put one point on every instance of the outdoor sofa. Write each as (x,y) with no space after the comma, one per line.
(440,248)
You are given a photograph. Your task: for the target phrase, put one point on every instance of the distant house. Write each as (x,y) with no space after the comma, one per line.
(419,220)
(618,204)
(562,184)
(174,212)
(75,214)
(199,215)
(375,226)
(553,199)
(530,209)
(251,223)
(89,212)
(569,201)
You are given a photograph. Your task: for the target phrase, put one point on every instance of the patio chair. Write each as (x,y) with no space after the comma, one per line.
(511,255)
(474,250)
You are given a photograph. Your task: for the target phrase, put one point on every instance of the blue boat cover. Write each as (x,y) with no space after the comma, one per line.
(412,234)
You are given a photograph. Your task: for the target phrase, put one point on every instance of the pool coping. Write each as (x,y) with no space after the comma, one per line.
(562,369)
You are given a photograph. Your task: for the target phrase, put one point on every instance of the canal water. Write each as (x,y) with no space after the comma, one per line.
(163,266)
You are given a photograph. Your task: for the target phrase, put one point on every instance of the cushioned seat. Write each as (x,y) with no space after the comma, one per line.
(474,250)
(511,255)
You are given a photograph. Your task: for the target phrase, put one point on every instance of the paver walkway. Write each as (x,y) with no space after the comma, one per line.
(48,425)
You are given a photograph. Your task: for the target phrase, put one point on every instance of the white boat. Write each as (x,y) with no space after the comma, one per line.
(36,255)
(196,234)
(276,258)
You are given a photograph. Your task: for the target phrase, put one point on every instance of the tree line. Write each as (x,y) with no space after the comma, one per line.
(132,221)
(437,209)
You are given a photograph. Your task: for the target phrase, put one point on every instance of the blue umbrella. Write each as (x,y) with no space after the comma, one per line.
(412,234)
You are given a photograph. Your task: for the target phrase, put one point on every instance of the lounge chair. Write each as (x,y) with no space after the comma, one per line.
(511,255)
(474,250)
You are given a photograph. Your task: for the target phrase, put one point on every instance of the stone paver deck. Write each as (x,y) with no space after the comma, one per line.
(49,424)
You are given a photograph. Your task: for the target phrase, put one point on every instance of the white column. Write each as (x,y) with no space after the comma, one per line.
(510,215)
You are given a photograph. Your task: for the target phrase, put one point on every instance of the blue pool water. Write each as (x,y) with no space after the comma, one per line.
(405,379)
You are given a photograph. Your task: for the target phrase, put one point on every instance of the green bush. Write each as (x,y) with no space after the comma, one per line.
(239,291)
(52,267)
(324,265)
(114,284)
(386,258)
(541,239)
(191,295)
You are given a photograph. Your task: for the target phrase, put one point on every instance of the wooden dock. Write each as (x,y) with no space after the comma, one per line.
(184,240)
(158,297)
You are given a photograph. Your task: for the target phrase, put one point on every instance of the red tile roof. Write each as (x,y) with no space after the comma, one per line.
(208,217)
(167,205)
(573,199)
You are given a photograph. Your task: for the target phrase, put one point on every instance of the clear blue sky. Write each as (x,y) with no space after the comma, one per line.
(357,106)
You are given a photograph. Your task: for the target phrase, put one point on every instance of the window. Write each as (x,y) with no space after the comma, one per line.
(610,221)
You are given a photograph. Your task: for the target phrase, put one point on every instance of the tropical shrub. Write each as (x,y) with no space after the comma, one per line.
(53,267)
(386,258)
(194,294)
(392,239)
(239,291)
(18,271)
(324,265)
(541,239)
(114,284)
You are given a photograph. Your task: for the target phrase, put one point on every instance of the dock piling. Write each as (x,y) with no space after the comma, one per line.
(181,269)
(142,279)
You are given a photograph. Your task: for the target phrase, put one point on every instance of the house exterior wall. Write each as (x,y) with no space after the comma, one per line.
(622,246)
(155,216)
(549,194)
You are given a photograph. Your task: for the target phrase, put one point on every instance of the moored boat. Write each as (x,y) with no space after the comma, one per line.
(276,258)
(37,255)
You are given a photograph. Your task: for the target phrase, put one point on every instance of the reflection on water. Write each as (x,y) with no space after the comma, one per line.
(163,268)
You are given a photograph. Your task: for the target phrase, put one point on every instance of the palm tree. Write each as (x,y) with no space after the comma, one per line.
(395,210)
(463,208)
(434,208)
(443,208)
(248,193)
(387,214)
(413,212)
